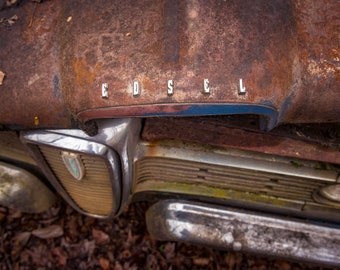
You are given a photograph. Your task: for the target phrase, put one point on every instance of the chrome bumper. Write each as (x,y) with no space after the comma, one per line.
(238,230)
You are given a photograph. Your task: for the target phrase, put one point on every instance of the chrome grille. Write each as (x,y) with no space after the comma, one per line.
(93,194)
(239,178)
(264,183)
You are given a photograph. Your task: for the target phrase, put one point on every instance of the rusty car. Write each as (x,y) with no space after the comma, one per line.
(223,115)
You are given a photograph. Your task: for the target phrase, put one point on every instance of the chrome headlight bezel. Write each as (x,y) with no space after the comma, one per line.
(115,144)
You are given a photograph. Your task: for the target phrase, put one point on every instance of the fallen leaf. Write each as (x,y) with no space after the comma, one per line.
(14,214)
(11,2)
(21,238)
(201,261)
(104,263)
(88,248)
(2,77)
(61,256)
(281,265)
(126,254)
(19,242)
(169,251)
(12,20)
(111,256)
(118,266)
(49,232)
(73,227)
(100,237)
(38,254)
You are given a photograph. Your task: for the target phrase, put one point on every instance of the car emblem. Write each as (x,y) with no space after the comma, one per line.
(74,165)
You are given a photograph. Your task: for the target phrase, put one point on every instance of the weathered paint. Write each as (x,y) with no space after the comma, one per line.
(31,94)
(217,133)
(285,52)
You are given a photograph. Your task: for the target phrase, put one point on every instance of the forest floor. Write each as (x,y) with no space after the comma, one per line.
(61,238)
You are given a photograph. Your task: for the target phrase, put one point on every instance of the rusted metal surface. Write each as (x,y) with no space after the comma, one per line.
(285,52)
(215,133)
(30,95)
(151,42)
(315,89)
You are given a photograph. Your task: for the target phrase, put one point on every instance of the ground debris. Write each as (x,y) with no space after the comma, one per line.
(49,232)
(73,241)
(100,237)
(8,22)
(12,20)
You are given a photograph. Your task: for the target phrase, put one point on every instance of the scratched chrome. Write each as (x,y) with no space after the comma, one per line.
(286,53)
(240,230)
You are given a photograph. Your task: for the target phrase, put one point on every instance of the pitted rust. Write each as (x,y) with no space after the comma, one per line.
(29,57)
(286,53)
(218,132)
(185,42)
(315,89)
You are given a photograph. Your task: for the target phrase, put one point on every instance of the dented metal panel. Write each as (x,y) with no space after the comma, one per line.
(280,56)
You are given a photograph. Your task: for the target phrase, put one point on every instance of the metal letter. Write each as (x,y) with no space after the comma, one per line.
(105,92)
(206,88)
(136,91)
(170,87)
(242,89)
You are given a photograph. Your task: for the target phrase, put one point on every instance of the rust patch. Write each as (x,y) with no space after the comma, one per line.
(30,95)
(84,75)
(183,41)
(286,53)
(217,133)
(317,79)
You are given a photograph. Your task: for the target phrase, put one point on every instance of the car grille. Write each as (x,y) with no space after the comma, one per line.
(255,187)
(264,183)
(93,194)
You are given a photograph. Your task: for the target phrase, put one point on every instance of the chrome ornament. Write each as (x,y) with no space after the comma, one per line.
(105,90)
(241,89)
(331,192)
(73,164)
(136,90)
(206,86)
(170,87)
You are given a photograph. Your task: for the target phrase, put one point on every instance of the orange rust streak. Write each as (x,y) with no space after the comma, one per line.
(83,74)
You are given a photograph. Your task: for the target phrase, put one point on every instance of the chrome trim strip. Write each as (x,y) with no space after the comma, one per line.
(225,228)
(65,142)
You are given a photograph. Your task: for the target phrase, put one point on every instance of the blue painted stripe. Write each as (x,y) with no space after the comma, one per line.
(224,109)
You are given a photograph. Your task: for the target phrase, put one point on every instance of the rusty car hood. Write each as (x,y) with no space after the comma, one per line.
(57,56)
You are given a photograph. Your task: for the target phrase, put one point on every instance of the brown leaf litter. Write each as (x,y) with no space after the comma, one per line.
(61,238)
